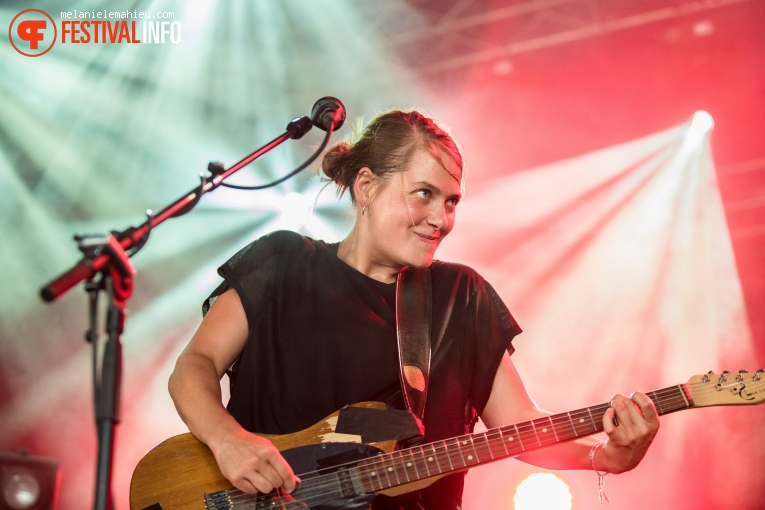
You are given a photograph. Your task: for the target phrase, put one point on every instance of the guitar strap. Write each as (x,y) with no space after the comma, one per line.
(413,320)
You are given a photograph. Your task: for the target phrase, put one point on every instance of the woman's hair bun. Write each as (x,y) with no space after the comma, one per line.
(334,163)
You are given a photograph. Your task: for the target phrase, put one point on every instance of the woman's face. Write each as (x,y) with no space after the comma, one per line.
(412,211)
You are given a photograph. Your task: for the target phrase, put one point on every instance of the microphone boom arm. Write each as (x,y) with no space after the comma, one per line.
(96,261)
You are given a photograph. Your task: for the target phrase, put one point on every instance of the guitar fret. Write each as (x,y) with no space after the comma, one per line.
(434,457)
(534,428)
(544,430)
(526,435)
(592,419)
(652,395)
(552,427)
(482,447)
(511,441)
(400,467)
(450,452)
(422,461)
(411,464)
(382,474)
(498,439)
(471,440)
(385,468)
(390,468)
(460,450)
(581,425)
(562,427)
(520,439)
(574,432)
(555,432)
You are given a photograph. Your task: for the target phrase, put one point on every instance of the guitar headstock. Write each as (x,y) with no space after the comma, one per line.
(727,389)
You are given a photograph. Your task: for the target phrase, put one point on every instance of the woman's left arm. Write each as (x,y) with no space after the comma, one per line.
(630,423)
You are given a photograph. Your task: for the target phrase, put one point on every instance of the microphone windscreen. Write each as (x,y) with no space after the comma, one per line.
(326,111)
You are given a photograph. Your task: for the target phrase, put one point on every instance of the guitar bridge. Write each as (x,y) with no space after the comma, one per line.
(218,501)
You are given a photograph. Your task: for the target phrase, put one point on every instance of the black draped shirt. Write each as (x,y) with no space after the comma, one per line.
(323,335)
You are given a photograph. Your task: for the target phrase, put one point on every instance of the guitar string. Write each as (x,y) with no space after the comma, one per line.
(399,463)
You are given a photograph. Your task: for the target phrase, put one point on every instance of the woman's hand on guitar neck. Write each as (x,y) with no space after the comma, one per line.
(631,425)
(252,463)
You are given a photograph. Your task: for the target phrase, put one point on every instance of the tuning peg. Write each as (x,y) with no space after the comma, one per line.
(706,376)
(722,378)
(740,375)
(757,374)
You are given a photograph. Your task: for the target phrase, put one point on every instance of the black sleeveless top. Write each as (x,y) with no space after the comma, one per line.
(323,335)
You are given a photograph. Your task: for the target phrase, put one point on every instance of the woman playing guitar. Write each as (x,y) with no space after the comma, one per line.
(306,327)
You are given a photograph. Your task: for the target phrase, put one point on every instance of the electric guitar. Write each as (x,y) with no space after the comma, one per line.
(338,470)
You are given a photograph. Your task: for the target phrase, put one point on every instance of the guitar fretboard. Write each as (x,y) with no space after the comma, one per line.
(459,453)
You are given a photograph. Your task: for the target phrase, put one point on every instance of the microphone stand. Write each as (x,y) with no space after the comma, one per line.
(117,280)
(109,257)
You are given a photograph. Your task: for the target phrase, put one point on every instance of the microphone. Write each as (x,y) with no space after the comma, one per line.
(326,111)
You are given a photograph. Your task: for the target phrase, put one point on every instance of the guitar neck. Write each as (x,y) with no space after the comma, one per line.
(460,453)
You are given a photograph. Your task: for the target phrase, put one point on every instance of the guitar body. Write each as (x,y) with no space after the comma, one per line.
(175,474)
(178,472)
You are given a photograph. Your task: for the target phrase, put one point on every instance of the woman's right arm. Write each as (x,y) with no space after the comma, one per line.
(247,460)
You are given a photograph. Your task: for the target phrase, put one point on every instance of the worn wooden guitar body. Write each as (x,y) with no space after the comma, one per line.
(181,472)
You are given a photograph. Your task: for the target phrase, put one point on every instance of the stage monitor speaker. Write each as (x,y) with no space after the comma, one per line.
(28,482)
